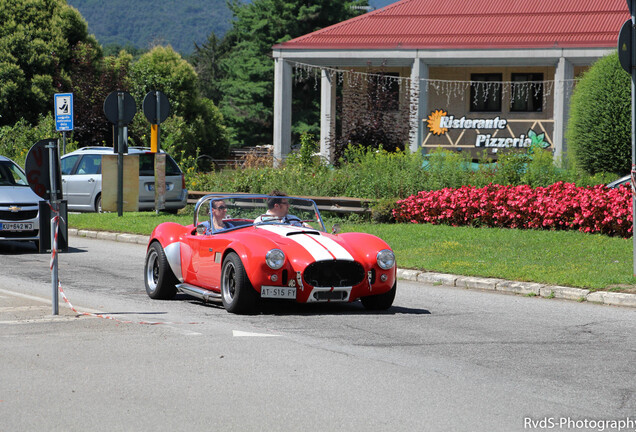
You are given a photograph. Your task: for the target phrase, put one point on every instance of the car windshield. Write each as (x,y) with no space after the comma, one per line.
(12,175)
(248,210)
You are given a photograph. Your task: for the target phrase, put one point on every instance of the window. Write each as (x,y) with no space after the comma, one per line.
(90,164)
(485,92)
(68,163)
(384,89)
(526,92)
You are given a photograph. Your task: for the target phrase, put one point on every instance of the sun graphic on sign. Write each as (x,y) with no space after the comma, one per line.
(434,122)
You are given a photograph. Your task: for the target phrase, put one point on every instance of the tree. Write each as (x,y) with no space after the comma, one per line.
(94,78)
(599,127)
(198,125)
(246,70)
(37,41)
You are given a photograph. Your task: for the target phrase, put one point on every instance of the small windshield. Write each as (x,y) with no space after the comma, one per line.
(12,175)
(231,212)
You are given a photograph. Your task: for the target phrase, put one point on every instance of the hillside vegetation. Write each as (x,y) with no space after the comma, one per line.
(145,23)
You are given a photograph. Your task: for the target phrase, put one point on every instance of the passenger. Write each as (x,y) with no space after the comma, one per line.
(219,212)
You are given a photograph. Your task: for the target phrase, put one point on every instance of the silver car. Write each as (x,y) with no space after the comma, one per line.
(19,205)
(82,179)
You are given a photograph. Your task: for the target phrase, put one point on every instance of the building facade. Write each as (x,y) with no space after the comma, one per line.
(476,76)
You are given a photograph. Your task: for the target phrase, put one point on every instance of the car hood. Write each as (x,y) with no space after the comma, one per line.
(18,195)
(318,245)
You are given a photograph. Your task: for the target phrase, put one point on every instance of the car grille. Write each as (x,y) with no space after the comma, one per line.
(18,234)
(334,274)
(17,216)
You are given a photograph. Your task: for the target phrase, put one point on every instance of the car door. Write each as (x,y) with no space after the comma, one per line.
(205,264)
(84,182)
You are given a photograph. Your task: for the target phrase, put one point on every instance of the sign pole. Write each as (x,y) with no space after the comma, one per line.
(120,155)
(52,146)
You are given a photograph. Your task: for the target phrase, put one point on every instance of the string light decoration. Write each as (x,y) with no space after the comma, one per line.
(379,109)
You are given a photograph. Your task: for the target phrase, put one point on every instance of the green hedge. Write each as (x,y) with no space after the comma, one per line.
(599,128)
(377,174)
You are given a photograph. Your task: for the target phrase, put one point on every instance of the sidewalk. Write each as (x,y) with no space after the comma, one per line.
(530,289)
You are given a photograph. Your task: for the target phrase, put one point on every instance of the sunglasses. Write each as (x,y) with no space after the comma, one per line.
(220,208)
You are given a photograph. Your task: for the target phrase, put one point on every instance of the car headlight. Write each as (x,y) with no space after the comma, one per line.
(275,259)
(386,259)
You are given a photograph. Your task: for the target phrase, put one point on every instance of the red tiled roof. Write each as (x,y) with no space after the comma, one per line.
(475,24)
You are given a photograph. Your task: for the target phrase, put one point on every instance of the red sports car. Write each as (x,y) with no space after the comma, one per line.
(271,247)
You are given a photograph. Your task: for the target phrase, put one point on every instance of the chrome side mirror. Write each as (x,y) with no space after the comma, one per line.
(335,229)
(201,229)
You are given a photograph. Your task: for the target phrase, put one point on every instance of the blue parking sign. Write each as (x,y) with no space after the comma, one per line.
(63,111)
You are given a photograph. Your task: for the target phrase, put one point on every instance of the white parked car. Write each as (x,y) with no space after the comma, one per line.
(19,205)
(82,179)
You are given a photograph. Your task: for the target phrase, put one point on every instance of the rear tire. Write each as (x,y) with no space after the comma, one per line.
(98,204)
(380,301)
(237,293)
(158,277)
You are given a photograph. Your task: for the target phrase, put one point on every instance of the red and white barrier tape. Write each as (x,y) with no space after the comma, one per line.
(66,300)
(56,219)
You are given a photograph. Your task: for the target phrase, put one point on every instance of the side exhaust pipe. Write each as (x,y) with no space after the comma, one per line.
(203,294)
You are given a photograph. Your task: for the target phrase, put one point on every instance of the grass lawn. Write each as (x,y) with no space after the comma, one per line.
(552,257)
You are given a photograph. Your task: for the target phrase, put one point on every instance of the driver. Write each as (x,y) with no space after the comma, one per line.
(278,207)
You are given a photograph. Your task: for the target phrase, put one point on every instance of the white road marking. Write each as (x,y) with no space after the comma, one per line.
(238,333)
(40,320)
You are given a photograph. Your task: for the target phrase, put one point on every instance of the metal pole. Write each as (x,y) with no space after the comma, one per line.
(120,154)
(157,116)
(52,146)
(63,142)
(633,173)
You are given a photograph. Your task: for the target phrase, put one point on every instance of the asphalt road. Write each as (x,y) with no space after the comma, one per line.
(442,359)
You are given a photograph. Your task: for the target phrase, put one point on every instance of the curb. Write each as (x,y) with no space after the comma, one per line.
(103,235)
(530,289)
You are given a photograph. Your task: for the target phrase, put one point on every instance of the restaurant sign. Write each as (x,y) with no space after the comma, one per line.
(502,135)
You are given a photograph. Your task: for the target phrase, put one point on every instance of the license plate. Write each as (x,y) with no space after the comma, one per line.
(16,226)
(278,292)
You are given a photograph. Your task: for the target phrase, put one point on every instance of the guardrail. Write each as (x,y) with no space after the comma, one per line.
(331,204)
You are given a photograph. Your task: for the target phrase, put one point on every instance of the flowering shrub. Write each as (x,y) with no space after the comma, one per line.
(592,209)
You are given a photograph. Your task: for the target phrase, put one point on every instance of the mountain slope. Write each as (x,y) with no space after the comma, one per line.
(145,23)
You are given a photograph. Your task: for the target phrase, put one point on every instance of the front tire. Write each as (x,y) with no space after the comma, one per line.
(159,280)
(380,301)
(237,293)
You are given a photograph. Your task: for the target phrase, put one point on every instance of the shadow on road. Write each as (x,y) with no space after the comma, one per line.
(28,248)
(291,308)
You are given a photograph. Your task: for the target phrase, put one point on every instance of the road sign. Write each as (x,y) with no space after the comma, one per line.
(625,46)
(112,107)
(63,111)
(156,114)
(37,167)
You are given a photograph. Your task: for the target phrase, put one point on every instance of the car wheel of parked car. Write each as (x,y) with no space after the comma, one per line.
(98,204)
(160,281)
(237,293)
(380,301)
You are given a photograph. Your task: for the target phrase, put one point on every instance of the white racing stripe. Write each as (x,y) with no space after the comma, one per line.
(320,247)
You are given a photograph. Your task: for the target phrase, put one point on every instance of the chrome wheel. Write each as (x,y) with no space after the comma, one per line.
(237,293)
(228,287)
(152,270)
(158,277)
